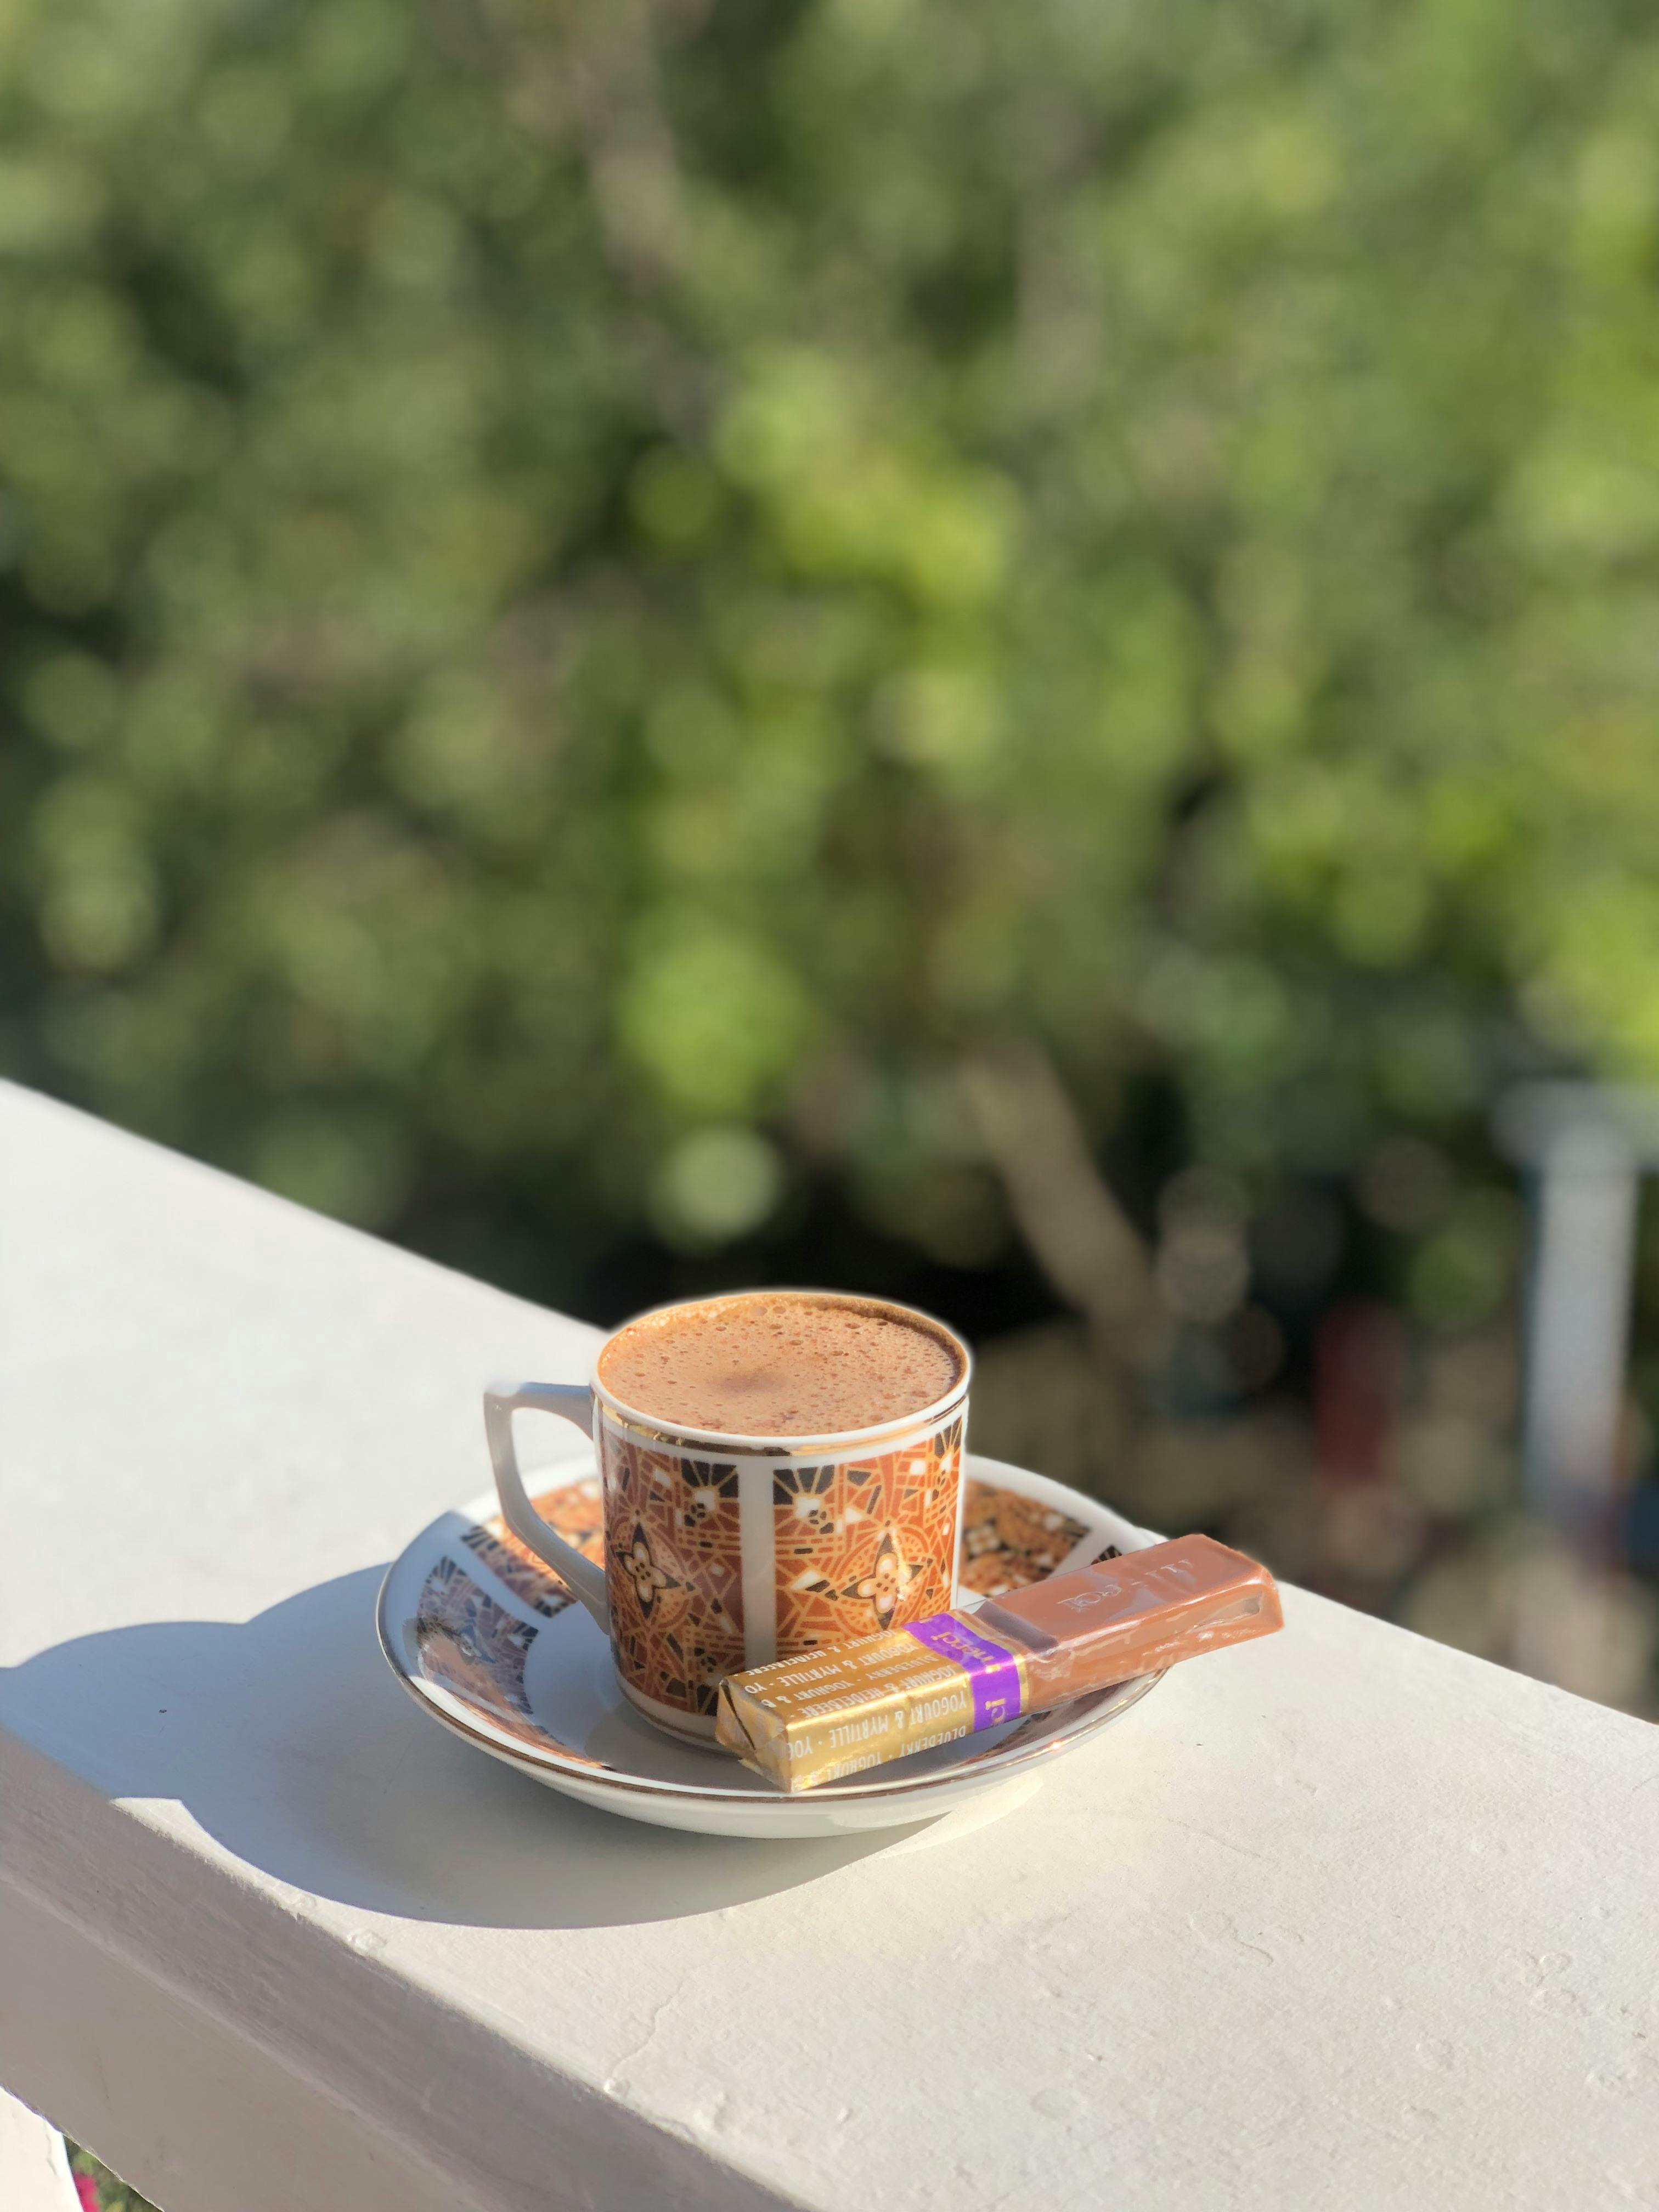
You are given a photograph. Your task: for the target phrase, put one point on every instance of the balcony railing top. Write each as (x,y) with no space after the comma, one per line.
(1349,1918)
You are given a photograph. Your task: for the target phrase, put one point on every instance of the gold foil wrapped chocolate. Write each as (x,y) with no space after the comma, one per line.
(836,1712)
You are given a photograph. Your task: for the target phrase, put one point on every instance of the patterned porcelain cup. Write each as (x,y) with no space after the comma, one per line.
(723,1551)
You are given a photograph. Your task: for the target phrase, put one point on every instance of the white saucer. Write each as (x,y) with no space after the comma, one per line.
(488,1640)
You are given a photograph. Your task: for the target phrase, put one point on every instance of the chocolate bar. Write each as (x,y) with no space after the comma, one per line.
(837,1711)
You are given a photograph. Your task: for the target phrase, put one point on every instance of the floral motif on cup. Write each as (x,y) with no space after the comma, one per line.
(674,1549)
(639,1566)
(865,1545)
(1009,1540)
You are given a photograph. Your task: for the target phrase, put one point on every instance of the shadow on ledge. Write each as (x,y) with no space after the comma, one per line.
(287,1739)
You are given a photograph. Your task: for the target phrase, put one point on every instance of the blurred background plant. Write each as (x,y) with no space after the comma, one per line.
(98,2189)
(1006,656)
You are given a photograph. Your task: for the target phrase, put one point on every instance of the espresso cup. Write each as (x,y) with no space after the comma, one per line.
(725,1551)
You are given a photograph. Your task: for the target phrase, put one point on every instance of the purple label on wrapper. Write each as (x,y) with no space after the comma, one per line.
(993,1673)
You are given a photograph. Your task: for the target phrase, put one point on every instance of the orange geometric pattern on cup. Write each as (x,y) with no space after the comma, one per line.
(860,1543)
(674,1565)
(866,1544)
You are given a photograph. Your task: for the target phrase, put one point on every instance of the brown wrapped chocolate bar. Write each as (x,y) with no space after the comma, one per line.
(836,1712)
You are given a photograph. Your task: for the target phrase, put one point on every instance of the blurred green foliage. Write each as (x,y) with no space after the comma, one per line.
(595,599)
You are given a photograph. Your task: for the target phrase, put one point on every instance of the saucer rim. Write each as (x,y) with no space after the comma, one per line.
(994,1763)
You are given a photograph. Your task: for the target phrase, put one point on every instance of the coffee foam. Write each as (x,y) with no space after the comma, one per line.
(780,1363)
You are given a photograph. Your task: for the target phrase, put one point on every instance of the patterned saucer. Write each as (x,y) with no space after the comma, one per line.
(490,1641)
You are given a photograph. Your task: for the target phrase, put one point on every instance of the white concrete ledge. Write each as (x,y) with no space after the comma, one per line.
(34,2167)
(1342,1918)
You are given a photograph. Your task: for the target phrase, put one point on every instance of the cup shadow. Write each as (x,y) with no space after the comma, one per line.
(288,1739)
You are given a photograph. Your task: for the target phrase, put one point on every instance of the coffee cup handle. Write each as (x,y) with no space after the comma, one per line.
(574,1402)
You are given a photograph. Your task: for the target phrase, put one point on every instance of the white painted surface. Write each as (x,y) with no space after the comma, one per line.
(34,2167)
(1338,1919)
